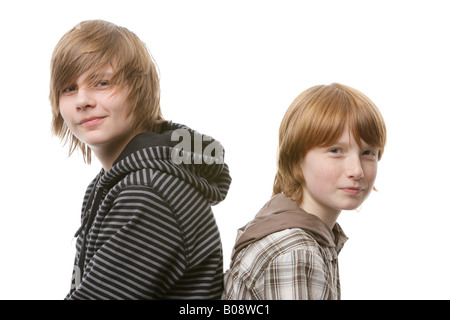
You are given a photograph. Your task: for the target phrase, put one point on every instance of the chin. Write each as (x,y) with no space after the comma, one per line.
(95,140)
(350,206)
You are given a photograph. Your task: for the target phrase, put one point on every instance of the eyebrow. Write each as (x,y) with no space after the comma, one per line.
(95,76)
(346,143)
(102,74)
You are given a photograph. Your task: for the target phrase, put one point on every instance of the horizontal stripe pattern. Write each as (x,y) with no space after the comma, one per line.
(154,235)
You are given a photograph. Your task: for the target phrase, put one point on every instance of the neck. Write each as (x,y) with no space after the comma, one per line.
(328,219)
(328,215)
(108,153)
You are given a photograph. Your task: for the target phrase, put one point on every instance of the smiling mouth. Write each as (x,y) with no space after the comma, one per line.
(352,191)
(90,122)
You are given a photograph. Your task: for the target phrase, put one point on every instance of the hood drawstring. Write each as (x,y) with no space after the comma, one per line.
(92,207)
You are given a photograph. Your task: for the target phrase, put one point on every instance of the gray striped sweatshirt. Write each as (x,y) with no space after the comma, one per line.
(148,231)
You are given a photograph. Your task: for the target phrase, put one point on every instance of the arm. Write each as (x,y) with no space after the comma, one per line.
(139,251)
(297,275)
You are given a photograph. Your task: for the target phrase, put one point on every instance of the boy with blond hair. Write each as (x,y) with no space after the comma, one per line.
(147,228)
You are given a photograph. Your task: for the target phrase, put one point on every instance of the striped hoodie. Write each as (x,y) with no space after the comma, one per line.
(147,228)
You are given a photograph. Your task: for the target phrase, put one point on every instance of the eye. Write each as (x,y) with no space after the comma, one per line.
(70,89)
(334,150)
(103,84)
(370,154)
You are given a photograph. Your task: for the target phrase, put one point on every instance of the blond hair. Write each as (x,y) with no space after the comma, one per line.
(317,118)
(91,46)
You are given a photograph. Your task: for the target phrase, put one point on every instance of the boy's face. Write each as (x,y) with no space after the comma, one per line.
(339,177)
(97,115)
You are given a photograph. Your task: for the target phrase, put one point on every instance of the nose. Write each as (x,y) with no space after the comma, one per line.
(84,99)
(354,168)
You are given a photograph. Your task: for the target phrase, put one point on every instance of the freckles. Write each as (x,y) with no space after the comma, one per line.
(320,179)
(370,173)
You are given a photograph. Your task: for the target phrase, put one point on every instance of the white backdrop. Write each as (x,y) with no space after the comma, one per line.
(230,69)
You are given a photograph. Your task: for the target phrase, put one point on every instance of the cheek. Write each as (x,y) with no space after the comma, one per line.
(320,179)
(64,111)
(117,105)
(370,174)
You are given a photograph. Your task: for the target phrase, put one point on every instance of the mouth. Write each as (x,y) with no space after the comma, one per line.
(90,122)
(352,191)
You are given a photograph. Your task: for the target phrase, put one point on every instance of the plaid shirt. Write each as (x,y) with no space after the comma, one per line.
(288,264)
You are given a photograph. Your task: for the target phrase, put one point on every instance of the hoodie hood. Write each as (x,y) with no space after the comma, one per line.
(282,213)
(147,159)
(179,151)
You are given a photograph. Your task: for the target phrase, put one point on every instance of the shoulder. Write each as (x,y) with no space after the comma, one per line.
(141,184)
(280,250)
(282,242)
(151,179)
(159,193)
(277,245)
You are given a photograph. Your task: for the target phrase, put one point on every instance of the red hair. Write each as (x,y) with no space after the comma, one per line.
(317,118)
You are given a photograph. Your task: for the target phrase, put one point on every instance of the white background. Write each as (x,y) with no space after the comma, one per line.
(230,69)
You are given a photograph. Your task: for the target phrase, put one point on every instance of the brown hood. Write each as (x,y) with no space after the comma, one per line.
(282,213)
